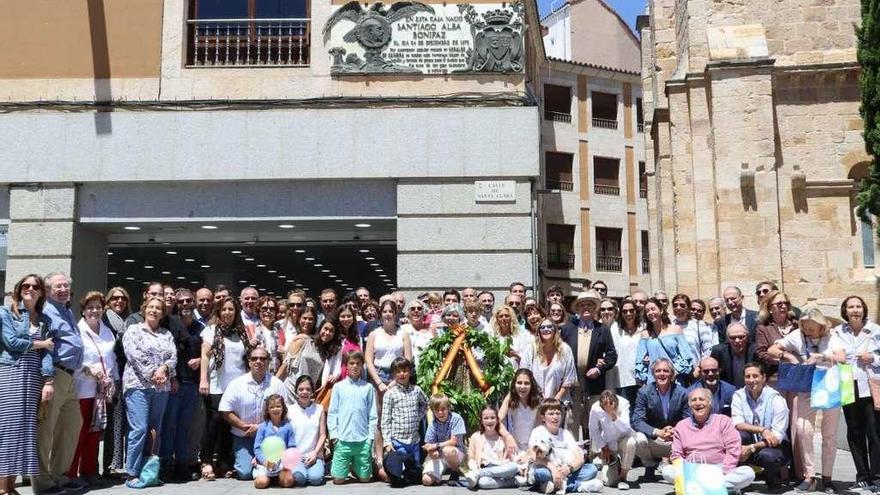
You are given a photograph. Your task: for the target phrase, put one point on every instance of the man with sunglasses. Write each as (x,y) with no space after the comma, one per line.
(242,407)
(177,459)
(733,355)
(722,392)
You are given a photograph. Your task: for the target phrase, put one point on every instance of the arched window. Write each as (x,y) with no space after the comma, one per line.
(248,33)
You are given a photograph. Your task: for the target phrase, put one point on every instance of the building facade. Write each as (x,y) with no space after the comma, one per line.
(755,149)
(137,131)
(592,194)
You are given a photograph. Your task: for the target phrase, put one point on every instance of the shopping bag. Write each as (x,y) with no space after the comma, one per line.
(847,384)
(825,393)
(693,478)
(795,377)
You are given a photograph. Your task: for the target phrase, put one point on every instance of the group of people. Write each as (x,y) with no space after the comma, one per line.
(201,380)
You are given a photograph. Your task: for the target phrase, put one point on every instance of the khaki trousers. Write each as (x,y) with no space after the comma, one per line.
(650,450)
(58,425)
(577,420)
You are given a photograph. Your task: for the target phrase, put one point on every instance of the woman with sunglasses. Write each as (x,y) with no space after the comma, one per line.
(626,336)
(775,322)
(551,362)
(289,326)
(25,379)
(662,339)
(810,344)
(117,311)
(608,313)
(557,313)
(420,333)
(699,335)
(266,332)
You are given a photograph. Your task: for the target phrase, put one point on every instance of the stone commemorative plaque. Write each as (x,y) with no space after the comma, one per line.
(418,38)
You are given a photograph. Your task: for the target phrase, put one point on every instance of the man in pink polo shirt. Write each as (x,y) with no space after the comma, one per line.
(709,438)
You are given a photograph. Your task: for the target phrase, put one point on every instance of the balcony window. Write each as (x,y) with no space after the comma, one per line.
(608,257)
(560,246)
(643,181)
(640,116)
(604,110)
(557,103)
(248,33)
(646,253)
(557,170)
(605,176)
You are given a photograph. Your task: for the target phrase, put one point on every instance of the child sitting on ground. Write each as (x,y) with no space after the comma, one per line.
(490,454)
(276,424)
(444,442)
(559,461)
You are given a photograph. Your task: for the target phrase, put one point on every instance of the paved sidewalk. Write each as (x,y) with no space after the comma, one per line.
(844,474)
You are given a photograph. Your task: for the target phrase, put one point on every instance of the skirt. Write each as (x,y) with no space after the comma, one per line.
(22,388)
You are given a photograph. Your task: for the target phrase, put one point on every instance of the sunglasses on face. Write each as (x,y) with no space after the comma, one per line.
(267,308)
(118,298)
(259,358)
(607,309)
(679,305)
(295,305)
(737,337)
(27,286)
(709,371)
(781,304)
(761,292)
(187,300)
(415,308)
(548,328)
(627,311)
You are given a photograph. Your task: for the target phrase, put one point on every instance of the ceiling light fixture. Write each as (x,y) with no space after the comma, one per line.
(282,276)
(325,271)
(300,251)
(242,281)
(190,260)
(369,258)
(365,250)
(181,278)
(261,266)
(170,252)
(271,271)
(129,278)
(235,251)
(206,266)
(109,253)
(209,227)
(285,226)
(131,227)
(318,265)
(310,259)
(111,273)
(362,225)
(149,267)
(374,264)
(129,261)
(249,259)
(166,273)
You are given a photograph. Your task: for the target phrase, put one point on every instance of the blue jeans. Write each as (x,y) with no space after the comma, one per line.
(587,472)
(144,409)
(243,453)
(176,423)
(313,475)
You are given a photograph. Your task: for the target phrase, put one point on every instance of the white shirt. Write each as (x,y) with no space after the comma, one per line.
(744,410)
(520,421)
(796,342)
(560,372)
(868,340)
(233,362)
(607,433)
(247,398)
(95,347)
(623,374)
(306,425)
(563,444)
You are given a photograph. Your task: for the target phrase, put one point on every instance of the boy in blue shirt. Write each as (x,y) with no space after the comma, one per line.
(351,423)
(444,442)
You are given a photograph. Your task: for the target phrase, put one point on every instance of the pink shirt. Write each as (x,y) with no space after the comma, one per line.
(717,442)
(347,346)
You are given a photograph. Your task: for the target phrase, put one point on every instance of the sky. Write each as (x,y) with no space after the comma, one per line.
(628,9)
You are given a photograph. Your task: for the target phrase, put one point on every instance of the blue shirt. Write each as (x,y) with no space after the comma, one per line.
(267,429)
(441,431)
(16,340)
(352,416)
(664,401)
(68,344)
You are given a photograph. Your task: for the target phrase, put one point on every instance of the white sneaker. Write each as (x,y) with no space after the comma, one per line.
(590,486)
(549,488)
(623,485)
(471,479)
(520,480)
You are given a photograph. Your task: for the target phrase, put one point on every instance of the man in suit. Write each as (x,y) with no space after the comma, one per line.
(733,299)
(722,392)
(659,407)
(594,354)
(733,355)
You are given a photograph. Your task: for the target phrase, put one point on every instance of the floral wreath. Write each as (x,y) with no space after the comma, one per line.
(492,381)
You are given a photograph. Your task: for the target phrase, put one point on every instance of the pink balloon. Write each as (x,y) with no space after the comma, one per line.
(290,458)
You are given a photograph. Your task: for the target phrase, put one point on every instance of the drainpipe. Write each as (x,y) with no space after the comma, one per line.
(534,220)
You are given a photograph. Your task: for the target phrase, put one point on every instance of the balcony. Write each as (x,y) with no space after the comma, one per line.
(604,123)
(640,127)
(646,265)
(559,184)
(607,190)
(643,192)
(557,116)
(560,261)
(609,263)
(249,42)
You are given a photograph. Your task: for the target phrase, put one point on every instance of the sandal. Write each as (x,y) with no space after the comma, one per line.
(208,473)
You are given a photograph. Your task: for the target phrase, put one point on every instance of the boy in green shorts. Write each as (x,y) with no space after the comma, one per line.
(351,423)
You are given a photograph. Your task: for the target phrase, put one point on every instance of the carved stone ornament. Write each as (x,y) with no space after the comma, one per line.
(498,40)
(372,32)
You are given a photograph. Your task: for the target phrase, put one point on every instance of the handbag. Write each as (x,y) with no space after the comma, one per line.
(795,377)
(104,394)
(832,387)
(702,478)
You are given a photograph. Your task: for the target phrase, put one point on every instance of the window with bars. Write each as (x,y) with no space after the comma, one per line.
(608,255)
(604,110)
(557,103)
(560,246)
(557,171)
(606,175)
(248,33)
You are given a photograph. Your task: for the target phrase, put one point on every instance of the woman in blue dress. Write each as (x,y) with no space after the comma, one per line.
(662,339)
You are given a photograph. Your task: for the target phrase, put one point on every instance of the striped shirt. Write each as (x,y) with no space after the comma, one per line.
(245,398)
